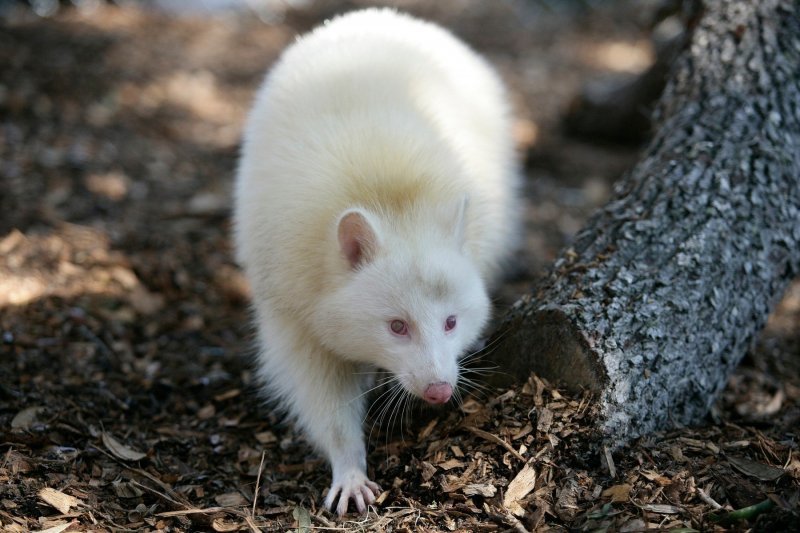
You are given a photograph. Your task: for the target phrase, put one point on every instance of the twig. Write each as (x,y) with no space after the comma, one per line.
(708,499)
(612,470)
(258,480)
(497,440)
(514,522)
(184,512)
(252,524)
(151,477)
(161,494)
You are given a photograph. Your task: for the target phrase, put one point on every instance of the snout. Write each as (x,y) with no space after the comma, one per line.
(437,393)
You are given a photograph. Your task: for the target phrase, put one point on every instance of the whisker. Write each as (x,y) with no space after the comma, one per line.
(389,397)
(386,381)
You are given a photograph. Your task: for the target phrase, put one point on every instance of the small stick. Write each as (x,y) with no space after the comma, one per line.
(497,440)
(258,480)
(708,499)
(612,470)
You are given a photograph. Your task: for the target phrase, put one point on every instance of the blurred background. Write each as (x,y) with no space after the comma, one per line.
(125,116)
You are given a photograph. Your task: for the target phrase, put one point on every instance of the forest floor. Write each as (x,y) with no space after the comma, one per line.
(127,397)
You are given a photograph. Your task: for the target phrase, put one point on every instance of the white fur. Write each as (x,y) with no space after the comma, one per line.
(394,122)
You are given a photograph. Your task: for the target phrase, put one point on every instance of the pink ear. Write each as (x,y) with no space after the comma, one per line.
(358,238)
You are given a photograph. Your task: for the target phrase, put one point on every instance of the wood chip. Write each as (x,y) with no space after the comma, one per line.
(480,489)
(119,450)
(423,434)
(612,470)
(522,484)
(58,528)
(428,471)
(227,395)
(544,419)
(59,500)
(450,464)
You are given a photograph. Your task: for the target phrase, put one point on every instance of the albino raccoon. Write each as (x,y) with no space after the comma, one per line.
(375,200)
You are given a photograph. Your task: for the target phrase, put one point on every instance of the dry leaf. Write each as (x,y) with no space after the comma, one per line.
(519,487)
(618,493)
(230,499)
(755,469)
(59,500)
(303,518)
(119,450)
(655,476)
(26,418)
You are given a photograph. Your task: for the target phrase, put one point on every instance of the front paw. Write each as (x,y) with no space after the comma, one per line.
(351,484)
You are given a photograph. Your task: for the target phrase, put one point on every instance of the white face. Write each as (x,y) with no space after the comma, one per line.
(412,316)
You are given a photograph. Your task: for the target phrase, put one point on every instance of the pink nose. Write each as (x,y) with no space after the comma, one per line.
(436,393)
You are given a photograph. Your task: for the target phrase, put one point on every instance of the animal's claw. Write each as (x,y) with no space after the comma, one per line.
(354,485)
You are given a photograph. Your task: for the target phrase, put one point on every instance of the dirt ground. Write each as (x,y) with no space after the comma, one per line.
(127,397)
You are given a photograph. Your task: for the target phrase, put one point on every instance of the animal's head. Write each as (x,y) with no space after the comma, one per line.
(410,304)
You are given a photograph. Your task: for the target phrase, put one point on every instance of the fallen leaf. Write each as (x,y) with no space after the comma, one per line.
(119,450)
(230,499)
(59,500)
(618,493)
(655,476)
(755,469)
(26,418)
(300,514)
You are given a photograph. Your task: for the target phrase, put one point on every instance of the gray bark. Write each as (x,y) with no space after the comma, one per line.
(664,290)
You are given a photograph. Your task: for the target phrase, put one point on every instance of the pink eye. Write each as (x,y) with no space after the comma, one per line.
(398,327)
(450,323)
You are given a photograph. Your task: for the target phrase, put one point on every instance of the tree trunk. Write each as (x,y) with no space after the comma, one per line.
(664,290)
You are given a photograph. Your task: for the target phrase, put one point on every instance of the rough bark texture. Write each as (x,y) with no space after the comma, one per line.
(664,290)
